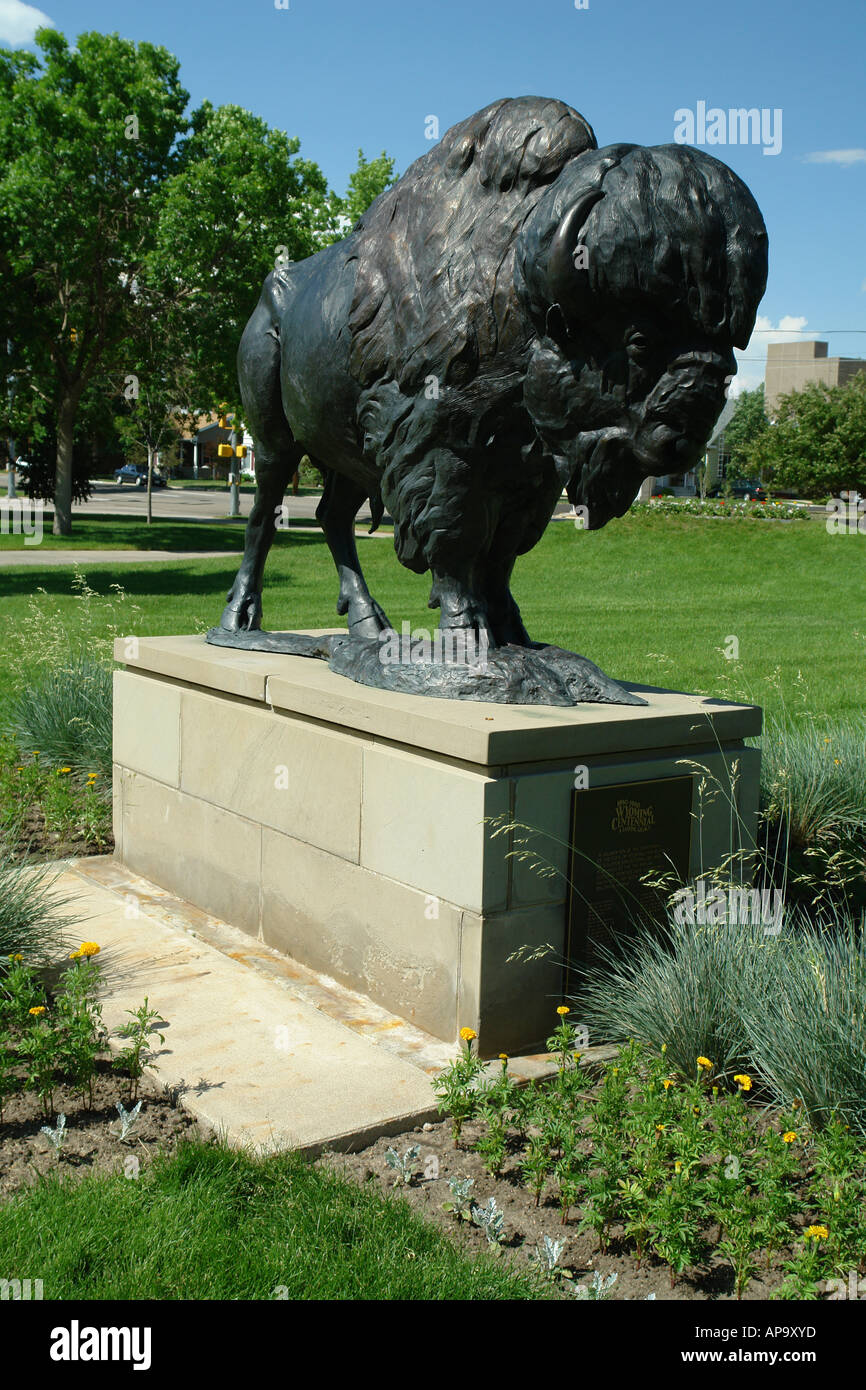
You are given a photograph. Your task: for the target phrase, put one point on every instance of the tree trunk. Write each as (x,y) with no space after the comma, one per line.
(149,485)
(63,475)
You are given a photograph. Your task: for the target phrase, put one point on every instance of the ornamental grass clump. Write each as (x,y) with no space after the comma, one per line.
(66,715)
(807,1037)
(683,985)
(813,810)
(32,920)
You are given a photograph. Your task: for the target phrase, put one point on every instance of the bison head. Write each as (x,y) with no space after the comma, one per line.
(641,268)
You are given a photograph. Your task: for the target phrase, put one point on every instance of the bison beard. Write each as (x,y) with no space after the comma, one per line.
(521,312)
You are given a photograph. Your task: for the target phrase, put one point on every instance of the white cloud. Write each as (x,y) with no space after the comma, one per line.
(19,22)
(836,157)
(752,361)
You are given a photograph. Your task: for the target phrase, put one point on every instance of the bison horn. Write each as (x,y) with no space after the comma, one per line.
(564,280)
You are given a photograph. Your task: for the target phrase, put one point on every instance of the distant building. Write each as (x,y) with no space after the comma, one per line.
(791,366)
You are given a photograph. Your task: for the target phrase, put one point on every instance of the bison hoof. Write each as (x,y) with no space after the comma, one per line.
(367,619)
(242,614)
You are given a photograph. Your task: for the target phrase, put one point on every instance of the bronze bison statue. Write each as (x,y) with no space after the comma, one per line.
(521,313)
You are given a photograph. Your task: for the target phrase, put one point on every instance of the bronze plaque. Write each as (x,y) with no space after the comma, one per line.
(619,834)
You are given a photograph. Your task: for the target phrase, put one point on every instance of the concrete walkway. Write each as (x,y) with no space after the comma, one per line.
(260,1048)
(248,1048)
(38,556)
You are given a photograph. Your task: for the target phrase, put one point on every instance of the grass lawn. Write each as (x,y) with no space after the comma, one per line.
(209,1223)
(649,598)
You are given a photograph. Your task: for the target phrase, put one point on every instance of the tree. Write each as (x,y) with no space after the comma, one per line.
(156,390)
(86,135)
(239,204)
(817,445)
(748,421)
(370,179)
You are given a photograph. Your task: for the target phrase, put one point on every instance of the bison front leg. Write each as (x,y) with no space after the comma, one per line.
(461,603)
(502,609)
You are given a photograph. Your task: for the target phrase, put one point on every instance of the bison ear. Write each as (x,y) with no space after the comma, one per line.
(566,284)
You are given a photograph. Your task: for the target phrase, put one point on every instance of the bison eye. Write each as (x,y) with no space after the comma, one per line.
(638,344)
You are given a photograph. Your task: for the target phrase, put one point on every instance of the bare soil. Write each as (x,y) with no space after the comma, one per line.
(34,843)
(92,1142)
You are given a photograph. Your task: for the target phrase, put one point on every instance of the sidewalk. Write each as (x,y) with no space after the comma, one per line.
(39,556)
(252,1056)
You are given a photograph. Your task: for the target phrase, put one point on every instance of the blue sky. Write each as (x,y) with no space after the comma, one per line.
(341,74)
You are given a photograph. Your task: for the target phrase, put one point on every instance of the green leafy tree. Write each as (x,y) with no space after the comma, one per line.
(817,445)
(240,204)
(156,389)
(370,179)
(748,421)
(86,135)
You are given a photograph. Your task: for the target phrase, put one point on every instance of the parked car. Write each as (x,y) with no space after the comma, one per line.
(136,473)
(744,490)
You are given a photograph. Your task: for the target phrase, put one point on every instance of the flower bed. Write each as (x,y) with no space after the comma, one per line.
(724,507)
(679,1186)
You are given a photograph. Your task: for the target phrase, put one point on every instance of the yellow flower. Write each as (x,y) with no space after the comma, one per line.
(38,1011)
(678,1167)
(17,956)
(562,1009)
(503,1056)
(744,1082)
(705,1064)
(75,955)
(666,1084)
(660,1129)
(467,1034)
(817,1233)
(837,762)
(664,1047)
(65,769)
(789,1136)
(90,948)
(696,1110)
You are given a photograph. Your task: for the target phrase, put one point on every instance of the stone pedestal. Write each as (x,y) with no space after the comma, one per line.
(352,828)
